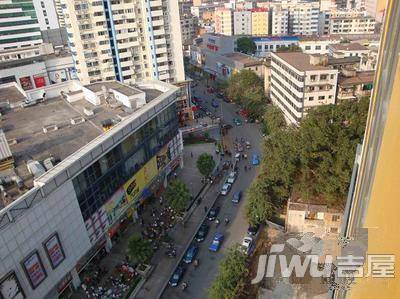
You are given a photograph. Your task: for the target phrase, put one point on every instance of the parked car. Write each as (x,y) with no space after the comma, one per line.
(248,145)
(225,189)
(255,159)
(237,121)
(220,95)
(231,177)
(202,232)
(213,213)
(190,254)
(247,243)
(227,126)
(177,276)
(215,104)
(253,230)
(237,196)
(216,243)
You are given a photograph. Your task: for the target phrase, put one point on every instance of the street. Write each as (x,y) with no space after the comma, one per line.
(199,279)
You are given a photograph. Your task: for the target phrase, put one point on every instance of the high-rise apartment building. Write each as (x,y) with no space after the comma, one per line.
(351,22)
(126,40)
(259,21)
(303,18)
(242,22)
(19,26)
(224,21)
(280,21)
(47,15)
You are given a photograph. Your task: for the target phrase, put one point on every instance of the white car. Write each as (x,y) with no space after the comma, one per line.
(248,145)
(231,177)
(225,189)
(247,244)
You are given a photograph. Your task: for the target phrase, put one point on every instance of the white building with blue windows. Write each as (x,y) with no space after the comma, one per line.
(267,45)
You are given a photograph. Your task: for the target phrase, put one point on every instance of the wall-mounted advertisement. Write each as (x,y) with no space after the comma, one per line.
(39,80)
(26,83)
(54,250)
(58,76)
(163,157)
(72,73)
(150,170)
(34,269)
(116,204)
(96,225)
(10,287)
(135,185)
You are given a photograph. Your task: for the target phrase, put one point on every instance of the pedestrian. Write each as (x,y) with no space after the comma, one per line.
(205,209)
(191,154)
(175,175)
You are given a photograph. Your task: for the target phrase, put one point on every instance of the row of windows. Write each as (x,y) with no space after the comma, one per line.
(287,100)
(288,70)
(16,31)
(290,82)
(276,98)
(99,181)
(20,39)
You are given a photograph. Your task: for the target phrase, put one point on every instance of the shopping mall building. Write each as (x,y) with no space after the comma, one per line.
(74,162)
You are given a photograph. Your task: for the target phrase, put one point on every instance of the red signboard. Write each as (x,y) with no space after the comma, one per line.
(39,81)
(26,83)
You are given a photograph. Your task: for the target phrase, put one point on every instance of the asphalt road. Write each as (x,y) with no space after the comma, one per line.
(199,279)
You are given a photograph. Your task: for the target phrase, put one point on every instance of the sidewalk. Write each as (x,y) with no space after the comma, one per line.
(164,266)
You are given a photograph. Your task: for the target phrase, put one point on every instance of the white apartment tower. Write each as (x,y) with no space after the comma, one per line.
(304,18)
(242,22)
(126,40)
(47,15)
(280,21)
(19,25)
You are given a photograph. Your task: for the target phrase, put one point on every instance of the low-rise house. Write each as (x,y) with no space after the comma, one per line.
(353,85)
(342,50)
(312,218)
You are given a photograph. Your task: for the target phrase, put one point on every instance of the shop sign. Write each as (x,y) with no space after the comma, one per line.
(34,269)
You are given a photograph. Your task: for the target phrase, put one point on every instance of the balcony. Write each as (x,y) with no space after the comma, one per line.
(157,13)
(155,3)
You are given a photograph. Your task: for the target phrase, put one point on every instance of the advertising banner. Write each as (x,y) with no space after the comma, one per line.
(10,287)
(58,76)
(163,157)
(150,170)
(135,185)
(26,83)
(34,269)
(54,250)
(116,204)
(40,81)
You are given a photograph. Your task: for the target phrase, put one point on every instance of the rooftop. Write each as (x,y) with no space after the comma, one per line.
(359,78)
(246,60)
(57,127)
(300,61)
(11,94)
(348,47)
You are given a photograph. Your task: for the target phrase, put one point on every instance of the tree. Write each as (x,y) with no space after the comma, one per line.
(205,164)
(247,89)
(246,45)
(273,120)
(139,250)
(232,272)
(259,207)
(177,195)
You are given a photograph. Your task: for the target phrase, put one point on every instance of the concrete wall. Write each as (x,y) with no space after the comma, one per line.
(59,213)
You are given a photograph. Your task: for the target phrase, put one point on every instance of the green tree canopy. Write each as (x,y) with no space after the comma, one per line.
(273,120)
(177,195)
(247,89)
(139,250)
(259,207)
(245,45)
(231,276)
(205,164)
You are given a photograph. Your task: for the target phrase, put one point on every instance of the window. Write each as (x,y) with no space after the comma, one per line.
(323,77)
(313,77)
(321,98)
(335,218)
(334,230)
(308,48)
(332,76)
(317,47)
(311,98)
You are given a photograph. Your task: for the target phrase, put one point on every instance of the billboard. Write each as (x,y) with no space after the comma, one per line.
(26,83)
(39,80)
(163,157)
(34,269)
(10,287)
(58,76)
(54,250)
(116,204)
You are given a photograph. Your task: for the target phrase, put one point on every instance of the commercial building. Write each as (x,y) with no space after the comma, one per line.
(371,216)
(223,21)
(303,18)
(259,21)
(125,41)
(39,71)
(73,166)
(242,22)
(19,25)
(299,82)
(266,45)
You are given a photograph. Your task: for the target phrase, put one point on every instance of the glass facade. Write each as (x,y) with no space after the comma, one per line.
(100,181)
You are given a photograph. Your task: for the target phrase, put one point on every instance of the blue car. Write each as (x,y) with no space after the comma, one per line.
(216,243)
(176,277)
(215,104)
(190,254)
(255,160)
(237,196)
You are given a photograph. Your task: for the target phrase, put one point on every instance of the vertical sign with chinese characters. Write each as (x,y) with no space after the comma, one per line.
(54,250)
